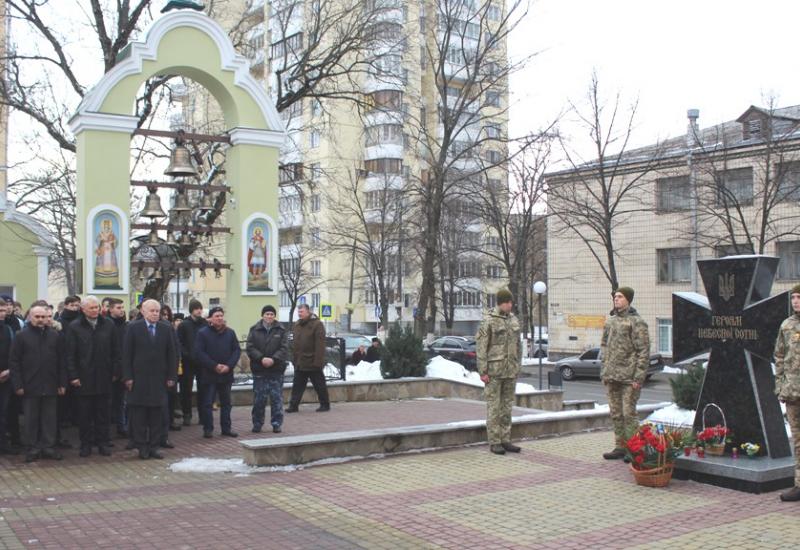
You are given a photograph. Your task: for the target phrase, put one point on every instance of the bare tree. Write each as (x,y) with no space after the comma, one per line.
(594,197)
(297,276)
(742,209)
(516,219)
(374,208)
(467,66)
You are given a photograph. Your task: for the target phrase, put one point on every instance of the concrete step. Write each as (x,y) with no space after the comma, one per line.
(292,450)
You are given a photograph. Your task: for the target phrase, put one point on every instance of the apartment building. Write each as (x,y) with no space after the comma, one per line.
(728,189)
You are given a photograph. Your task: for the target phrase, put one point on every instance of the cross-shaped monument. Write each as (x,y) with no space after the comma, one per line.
(739,323)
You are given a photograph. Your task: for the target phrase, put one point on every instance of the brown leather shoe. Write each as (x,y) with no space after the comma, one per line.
(616,454)
(792,495)
(497,449)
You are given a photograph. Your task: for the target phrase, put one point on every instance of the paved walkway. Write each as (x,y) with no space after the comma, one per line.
(557,493)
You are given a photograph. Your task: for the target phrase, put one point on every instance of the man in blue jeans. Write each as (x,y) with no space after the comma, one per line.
(216,350)
(267,348)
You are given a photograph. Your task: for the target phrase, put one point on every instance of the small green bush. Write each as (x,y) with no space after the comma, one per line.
(687,385)
(402,354)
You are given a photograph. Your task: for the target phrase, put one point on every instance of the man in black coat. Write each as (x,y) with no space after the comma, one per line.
(149,367)
(39,376)
(216,349)
(116,314)
(268,350)
(187,333)
(6,338)
(374,351)
(93,364)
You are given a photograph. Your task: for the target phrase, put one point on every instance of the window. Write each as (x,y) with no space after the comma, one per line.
(384,133)
(316,137)
(289,205)
(735,187)
(674,265)
(465,298)
(491,300)
(390,100)
(494,271)
(316,268)
(753,129)
(460,56)
(494,13)
(315,202)
(493,156)
(213,302)
(316,107)
(315,300)
(285,300)
(388,65)
(384,166)
(290,45)
(492,242)
(664,336)
(381,199)
(788,174)
(730,250)
(316,171)
(290,173)
(789,266)
(423,56)
(370,297)
(673,194)
(492,99)
(315,240)
(293,110)
(290,266)
(468,269)
(492,131)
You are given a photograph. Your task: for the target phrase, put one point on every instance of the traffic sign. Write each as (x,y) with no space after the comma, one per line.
(326,311)
(378,311)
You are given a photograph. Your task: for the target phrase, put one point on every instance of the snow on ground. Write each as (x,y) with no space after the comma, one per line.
(534,361)
(672,415)
(364,372)
(439,367)
(673,370)
(211,466)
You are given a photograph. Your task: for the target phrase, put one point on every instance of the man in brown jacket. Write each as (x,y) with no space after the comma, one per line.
(308,356)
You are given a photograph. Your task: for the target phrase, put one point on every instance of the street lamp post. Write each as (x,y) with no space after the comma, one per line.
(540,288)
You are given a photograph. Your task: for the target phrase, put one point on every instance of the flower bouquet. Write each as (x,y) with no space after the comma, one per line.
(714,438)
(652,451)
(751,449)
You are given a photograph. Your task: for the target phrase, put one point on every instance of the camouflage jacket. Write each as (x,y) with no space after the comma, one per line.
(787,360)
(625,348)
(498,345)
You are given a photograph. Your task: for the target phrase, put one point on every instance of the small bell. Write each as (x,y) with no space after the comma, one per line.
(140,270)
(152,206)
(181,203)
(207,203)
(171,237)
(152,237)
(187,273)
(180,160)
(186,240)
(158,274)
(217,269)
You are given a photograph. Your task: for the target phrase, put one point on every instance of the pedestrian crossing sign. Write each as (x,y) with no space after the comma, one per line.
(326,311)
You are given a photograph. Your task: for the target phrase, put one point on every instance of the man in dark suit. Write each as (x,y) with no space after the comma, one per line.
(150,367)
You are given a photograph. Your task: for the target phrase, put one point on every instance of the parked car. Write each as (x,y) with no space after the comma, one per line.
(588,364)
(460,349)
(352,341)
(539,348)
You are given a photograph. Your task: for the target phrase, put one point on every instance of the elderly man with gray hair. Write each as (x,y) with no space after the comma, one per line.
(93,363)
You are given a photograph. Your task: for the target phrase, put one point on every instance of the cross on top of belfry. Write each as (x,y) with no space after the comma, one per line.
(738,322)
(182,4)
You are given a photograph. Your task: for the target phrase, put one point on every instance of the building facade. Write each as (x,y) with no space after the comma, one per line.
(724,190)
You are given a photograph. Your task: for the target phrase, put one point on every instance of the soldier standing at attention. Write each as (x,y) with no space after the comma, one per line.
(625,353)
(787,382)
(499,355)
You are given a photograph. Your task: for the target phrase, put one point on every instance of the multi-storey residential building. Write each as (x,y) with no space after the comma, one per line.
(367,142)
(701,195)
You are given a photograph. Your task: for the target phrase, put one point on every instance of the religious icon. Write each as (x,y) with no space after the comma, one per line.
(106,251)
(258,256)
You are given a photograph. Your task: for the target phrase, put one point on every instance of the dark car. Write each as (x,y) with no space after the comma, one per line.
(459,349)
(588,364)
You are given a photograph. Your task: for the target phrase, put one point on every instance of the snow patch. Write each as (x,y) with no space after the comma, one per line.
(673,370)
(439,367)
(211,466)
(672,415)
(364,372)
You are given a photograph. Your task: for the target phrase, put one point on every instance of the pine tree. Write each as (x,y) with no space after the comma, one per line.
(687,385)
(403,354)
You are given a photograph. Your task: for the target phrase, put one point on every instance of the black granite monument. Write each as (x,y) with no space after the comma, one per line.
(738,322)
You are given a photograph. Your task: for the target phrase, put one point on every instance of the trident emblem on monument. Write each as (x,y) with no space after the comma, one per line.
(726,286)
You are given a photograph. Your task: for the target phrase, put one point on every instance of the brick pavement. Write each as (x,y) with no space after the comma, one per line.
(558,493)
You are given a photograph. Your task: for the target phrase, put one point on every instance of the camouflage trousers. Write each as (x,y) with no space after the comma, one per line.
(499,394)
(622,399)
(793,416)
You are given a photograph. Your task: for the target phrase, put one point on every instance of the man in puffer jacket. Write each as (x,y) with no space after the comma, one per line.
(267,348)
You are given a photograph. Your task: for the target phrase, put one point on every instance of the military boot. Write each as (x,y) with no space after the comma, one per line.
(497,449)
(616,454)
(511,448)
(791,495)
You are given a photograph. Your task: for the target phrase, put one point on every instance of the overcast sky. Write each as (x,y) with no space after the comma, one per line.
(714,55)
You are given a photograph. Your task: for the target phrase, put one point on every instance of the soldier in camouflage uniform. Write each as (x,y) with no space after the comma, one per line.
(625,353)
(787,382)
(499,353)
